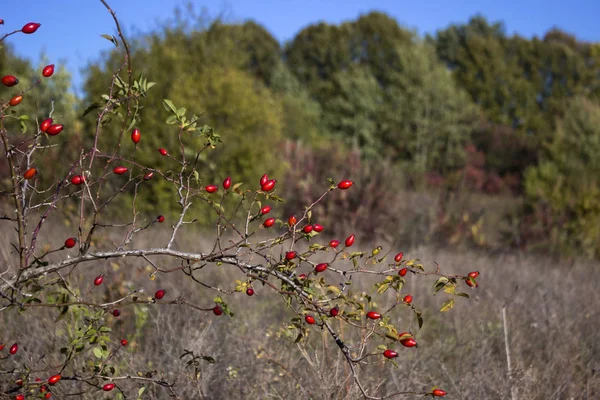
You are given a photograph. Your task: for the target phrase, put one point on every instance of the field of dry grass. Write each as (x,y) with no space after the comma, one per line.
(552,326)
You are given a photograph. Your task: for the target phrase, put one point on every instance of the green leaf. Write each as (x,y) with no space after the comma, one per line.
(111,39)
(439,284)
(97,352)
(448,304)
(169,106)
(141,392)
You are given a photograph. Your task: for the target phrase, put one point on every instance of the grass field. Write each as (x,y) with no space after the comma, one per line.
(552,326)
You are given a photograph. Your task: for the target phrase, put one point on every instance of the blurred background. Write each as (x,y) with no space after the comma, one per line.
(471,130)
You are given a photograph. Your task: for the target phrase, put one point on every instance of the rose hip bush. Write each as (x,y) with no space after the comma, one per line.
(285,254)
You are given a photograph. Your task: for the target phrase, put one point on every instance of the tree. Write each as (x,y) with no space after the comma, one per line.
(41,274)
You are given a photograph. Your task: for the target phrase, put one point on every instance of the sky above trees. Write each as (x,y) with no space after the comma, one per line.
(78,43)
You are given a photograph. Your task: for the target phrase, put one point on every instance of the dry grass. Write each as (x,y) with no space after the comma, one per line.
(553,331)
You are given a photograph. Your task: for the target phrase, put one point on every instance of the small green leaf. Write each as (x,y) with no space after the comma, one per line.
(439,284)
(111,39)
(169,106)
(448,304)
(97,352)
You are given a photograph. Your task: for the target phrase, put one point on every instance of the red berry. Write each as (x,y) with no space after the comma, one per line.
(211,188)
(310,319)
(321,267)
(30,173)
(159,294)
(160,219)
(149,176)
(98,280)
(390,354)
(473,274)
(136,135)
(470,283)
(373,315)
(345,184)
(77,180)
(108,387)
(408,299)
(403,271)
(318,228)
(290,255)
(46,124)
(1,346)
(120,170)
(116,312)
(270,185)
(13,349)
(302,276)
(48,70)
(269,222)
(15,101)
(334,243)
(307,229)
(20,397)
(70,242)
(163,152)
(227,183)
(9,80)
(217,310)
(250,291)
(438,393)
(292,220)
(48,395)
(350,240)
(30,27)
(410,342)
(124,342)
(265,210)
(264,179)
(54,129)
(334,312)
(53,380)
(398,257)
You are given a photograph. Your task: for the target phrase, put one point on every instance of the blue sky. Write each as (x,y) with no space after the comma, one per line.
(70,31)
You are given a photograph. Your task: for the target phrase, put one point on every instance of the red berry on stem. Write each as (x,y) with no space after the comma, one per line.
(136,135)
(302,276)
(148,176)
(292,220)
(227,183)
(334,243)
(345,184)
(217,310)
(30,27)
(48,70)
(160,294)
(108,387)
(290,255)
(265,210)
(15,101)
(70,242)
(120,170)
(53,380)
(48,395)
(54,129)
(116,312)
(211,188)
(46,124)
(334,312)
(309,319)
(438,393)
(250,291)
(321,267)
(264,179)
(390,354)
(9,80)
(270,185)
(98,280)
(473,274)
(411,342)
(398,257)
(2,346)
(163,152)
(349,240)
(402,271)
(373,315)
(20,397)
(269,222)
(318,228)
(307,229)
(30,173)
(77,180)
(408,299)
(13,349)
(124,342)
(160,219)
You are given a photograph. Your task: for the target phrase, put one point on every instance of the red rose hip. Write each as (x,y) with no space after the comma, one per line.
(292,220)
(55,129)
(108,387)
(30,28)
(98,280)
(334,312)
(346,184)
(211,188)
(349,240)
(269,222)
(13,349)
(77,180)
(250,292)
(46,124)
(15,101)
(53,380)
(373,315)
(120,170)
(48,71)
(310,319)
(290,255)
(136,136)
(321,267)
(402,271)
(334,243)
(30,173)
(269,185)
(265,210)
(163,152)
(70,242)
(160,294)
(217,310)
(318,228)
(227,183)
(407,299)
(307,229)
(390,354)
(9,80)
(438,393)
(116,312)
